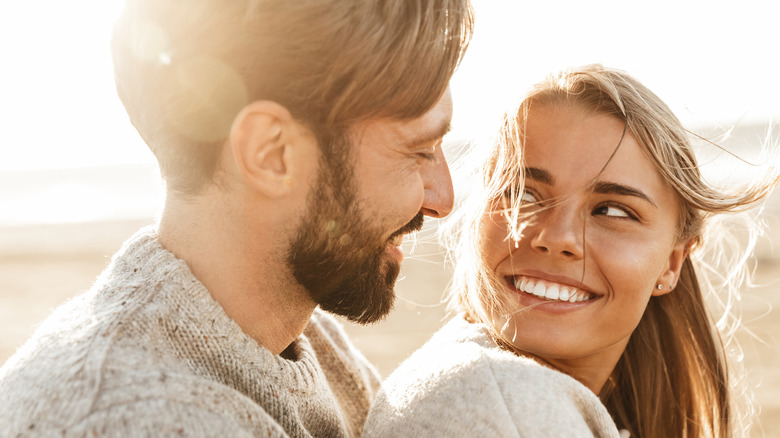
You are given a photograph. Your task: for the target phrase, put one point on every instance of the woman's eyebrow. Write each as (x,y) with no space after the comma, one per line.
(539,175)
(607,188)
(601,187)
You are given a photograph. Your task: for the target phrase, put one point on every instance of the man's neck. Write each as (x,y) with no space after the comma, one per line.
(241,264)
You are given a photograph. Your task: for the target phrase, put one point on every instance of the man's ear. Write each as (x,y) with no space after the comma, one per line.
(260,143)
(671,274)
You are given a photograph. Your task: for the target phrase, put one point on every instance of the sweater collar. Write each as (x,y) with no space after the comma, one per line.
(142,258)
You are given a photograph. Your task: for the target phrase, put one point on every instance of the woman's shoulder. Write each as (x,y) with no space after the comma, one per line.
(462,383)
(462,350)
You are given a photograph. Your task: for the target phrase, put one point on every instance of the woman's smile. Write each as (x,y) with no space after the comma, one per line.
(550,291)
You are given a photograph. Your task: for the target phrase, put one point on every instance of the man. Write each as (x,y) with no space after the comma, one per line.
(299,141)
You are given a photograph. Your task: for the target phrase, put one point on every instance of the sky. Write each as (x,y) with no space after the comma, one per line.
(58,106)
(714,62)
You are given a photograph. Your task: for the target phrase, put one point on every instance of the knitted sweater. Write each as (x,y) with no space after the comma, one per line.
(460,384)
(148,352)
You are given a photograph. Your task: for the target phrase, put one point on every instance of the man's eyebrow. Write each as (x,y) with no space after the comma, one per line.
(604,187)
(539,175)
(434,135)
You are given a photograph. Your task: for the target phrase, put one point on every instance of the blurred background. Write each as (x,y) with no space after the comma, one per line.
(76,180)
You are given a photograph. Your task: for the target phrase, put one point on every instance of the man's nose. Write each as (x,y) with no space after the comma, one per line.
(437,182)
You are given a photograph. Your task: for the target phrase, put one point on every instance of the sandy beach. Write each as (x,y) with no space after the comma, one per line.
(42,266)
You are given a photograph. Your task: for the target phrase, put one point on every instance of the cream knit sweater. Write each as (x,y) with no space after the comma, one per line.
(148,352)
(460,384)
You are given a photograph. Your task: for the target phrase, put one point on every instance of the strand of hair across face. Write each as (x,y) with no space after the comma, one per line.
(600,172)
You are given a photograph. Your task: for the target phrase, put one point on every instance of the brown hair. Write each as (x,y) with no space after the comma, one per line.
(184,72)
(672,379)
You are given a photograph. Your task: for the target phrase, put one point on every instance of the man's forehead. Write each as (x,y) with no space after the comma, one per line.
(428,127)
(431,126)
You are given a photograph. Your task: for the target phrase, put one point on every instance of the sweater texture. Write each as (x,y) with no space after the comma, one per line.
(148,352)
(461,384)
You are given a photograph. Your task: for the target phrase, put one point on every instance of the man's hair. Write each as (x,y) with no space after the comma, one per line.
(184,70)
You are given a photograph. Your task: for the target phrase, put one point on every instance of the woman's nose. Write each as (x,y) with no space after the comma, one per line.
(559,231)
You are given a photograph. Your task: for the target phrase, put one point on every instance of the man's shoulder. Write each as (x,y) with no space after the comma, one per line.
(118,382)
(149,416)
(105,351)
(78,359)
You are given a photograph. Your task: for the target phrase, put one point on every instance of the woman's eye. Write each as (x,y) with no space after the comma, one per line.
(610,210)
(528,197)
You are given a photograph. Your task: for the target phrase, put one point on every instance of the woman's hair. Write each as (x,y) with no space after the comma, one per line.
(185,70)
(672,379)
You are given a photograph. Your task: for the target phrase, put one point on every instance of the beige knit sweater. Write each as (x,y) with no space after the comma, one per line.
(460,384)
(148,352)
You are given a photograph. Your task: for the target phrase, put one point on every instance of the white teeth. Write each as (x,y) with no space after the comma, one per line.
(539,290)
(553,292)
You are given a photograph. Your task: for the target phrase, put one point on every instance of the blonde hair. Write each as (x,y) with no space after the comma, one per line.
(184,72)
(673,378)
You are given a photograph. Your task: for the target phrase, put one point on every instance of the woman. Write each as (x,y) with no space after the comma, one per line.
(580,309)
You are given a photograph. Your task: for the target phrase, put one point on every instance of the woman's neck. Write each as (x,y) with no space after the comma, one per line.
(593,371)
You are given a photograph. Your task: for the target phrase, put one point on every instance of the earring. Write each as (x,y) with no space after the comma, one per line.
(659,286)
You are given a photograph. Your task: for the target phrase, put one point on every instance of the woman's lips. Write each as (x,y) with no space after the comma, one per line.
(550,291)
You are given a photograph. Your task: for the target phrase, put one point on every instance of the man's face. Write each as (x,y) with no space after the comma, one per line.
(346,251)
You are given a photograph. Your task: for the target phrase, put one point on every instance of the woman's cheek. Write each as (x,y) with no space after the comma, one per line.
(493,242)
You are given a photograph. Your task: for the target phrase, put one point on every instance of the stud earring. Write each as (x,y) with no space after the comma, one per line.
(659,286)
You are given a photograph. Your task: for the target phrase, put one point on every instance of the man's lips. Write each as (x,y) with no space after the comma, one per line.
(397,240)
(414,225)
(549,290)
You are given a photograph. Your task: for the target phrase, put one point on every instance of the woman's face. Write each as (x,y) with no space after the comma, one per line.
(581,275)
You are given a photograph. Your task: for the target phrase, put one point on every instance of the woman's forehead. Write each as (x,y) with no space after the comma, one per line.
(578,148)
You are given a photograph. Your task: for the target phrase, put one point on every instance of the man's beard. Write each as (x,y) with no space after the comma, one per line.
(338,256)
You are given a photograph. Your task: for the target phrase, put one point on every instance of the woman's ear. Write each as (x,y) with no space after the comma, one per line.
(261,141)
(671,274)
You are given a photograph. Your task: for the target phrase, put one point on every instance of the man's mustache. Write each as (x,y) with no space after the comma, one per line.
(414,225)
